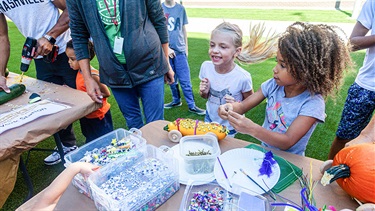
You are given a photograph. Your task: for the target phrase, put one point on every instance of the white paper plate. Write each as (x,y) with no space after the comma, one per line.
(198,179)
(250,161)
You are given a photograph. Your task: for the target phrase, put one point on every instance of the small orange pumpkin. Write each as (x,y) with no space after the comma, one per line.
(353,168)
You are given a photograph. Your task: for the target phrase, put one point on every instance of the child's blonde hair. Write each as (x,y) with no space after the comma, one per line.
(315,55)
(257,49)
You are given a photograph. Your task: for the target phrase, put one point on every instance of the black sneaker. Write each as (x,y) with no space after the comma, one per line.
(172,105)
(197,110)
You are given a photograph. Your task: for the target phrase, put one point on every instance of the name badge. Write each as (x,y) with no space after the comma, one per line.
(117,47)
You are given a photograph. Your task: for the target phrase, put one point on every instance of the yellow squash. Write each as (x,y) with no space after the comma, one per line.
(197,127)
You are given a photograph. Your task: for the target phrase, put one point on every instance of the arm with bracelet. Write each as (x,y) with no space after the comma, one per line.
(46,44)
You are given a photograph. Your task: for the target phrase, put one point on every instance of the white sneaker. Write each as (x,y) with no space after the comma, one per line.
(54,158)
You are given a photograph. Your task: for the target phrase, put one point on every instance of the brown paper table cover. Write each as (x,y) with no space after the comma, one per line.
(23,138)
(15,141)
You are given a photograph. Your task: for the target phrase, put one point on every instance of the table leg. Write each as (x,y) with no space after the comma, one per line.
(27,179)
(23,168)
(60,149)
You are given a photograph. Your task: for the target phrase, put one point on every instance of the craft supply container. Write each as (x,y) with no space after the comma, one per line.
(221,199)
(195,193)
(133,138)
(144,184)
(200,163)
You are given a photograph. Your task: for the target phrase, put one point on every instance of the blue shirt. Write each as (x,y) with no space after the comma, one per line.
(282,111)
(176,19)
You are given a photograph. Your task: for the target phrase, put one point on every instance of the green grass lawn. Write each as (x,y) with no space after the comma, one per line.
(334,16)
(318,146)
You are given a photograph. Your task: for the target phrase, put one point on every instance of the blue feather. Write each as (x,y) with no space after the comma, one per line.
(267,164)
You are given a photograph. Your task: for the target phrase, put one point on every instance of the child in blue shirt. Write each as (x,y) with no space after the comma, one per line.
(178,50)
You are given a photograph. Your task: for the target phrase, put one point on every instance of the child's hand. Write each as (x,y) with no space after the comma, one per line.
(239,122)
(86,168)
(204,86)
(223,110)
(229,99)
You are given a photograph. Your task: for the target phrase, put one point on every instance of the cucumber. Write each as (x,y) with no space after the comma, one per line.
(15,91)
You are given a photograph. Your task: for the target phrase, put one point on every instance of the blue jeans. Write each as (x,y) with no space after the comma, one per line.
(181,68)
(150,93)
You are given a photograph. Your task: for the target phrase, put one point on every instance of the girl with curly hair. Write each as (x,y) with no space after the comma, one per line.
(310,60)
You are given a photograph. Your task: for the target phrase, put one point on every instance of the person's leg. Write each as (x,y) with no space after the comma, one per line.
(175,90)
(176,97)
(95,128)
(67,136)
(357,113)
(183,74)
(128,102)
(105,125)
(85,128)
(152,96)
(59,72)
(182,71)
(48,72)
(54,72)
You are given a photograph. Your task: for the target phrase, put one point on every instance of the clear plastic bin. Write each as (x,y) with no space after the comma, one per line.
(199,153)
(144,184)
(105,150)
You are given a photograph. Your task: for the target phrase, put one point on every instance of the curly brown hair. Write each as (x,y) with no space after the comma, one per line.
(315,55)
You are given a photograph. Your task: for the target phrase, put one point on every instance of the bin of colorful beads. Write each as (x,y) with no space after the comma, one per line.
(106,149)
(199,153)
(142,185)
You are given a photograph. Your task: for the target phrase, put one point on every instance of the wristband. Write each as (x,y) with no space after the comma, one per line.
(50,39)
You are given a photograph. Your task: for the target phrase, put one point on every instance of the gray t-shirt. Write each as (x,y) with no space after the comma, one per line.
(282,111)
(176,19)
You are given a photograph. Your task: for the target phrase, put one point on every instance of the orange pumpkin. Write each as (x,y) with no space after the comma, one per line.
(353,168)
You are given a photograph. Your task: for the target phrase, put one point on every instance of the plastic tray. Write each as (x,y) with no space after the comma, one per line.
(143,184)
(200,163)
